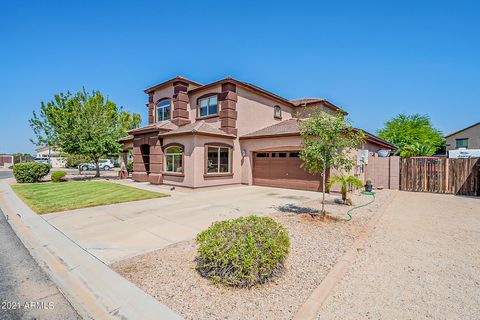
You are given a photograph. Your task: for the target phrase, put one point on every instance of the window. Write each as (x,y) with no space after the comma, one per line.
(279,154)
(174,159)
(461,143)
(163,110)
(262,155)
(277,112)
(207,106)
(218,159)
(294,154)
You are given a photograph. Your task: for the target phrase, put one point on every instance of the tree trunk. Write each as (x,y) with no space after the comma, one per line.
(97,168)
(324,216)
(49,156)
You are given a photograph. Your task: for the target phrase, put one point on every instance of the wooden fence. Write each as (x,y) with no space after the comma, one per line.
(441,175)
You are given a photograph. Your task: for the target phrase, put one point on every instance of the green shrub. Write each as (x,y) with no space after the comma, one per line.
(30,172)
(242,252)
(130,166)
(58,176)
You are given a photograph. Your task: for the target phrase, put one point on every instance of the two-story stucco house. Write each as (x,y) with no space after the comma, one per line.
(468,138)
(225,132)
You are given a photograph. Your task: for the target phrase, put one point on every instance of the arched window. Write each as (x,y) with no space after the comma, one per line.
(174,159)
(163,110)
(277,112)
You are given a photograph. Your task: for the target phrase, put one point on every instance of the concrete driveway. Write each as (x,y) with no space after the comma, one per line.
(116,232)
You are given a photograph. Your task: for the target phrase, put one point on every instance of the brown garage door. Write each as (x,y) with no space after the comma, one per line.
(282,169)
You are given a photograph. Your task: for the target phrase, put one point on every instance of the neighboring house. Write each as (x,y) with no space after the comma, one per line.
(225,132)
(56,158)
(468,138)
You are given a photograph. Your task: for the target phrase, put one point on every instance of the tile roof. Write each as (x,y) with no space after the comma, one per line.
(126,138)
(287,127)
(164,125)
(306,101)
(301,101)
(198,127)
(290,127)
(169,81)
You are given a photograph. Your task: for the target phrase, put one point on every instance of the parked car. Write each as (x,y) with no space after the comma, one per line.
(43,160)
(104,164)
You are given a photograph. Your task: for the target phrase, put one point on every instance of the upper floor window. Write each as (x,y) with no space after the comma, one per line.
(174,159)
(208,106)
(163,110)
(277,112)
(461,143)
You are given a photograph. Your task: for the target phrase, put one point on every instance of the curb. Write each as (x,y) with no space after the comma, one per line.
(311,307)
(93,289)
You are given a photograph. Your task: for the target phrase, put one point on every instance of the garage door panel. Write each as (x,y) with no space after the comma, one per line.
(283,172)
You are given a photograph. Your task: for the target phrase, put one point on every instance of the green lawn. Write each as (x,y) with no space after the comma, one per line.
(53,197)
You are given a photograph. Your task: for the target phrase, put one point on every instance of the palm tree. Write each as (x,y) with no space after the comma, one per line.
(347,183)
(416,149)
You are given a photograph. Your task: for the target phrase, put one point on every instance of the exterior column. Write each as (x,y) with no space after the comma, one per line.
(151,109)
(228,106)
(123,174)
(139,171)
(156,160)
(180,114)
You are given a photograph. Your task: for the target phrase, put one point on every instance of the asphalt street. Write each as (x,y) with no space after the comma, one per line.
(26,292)
(5,174)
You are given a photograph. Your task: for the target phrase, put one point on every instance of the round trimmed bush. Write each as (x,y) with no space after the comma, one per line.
(242,252)
(58,176)
(30,172)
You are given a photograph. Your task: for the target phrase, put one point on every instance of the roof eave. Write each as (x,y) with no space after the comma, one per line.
(287,134)
(456,132)
(170,81)
(196,133)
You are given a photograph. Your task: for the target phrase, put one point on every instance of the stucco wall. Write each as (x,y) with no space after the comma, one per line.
(253,145)
(384,172)
(166,92)
(256,112)
(188,169)
(192,107)
(194,162)
(473,135)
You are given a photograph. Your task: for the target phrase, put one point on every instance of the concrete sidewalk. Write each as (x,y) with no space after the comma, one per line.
(91,287)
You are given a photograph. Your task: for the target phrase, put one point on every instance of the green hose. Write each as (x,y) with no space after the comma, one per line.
(370,193)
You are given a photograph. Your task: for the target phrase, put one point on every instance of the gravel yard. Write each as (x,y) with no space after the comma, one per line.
(169,274)
(422,261)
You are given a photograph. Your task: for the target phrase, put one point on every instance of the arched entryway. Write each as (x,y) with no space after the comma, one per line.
(145,150)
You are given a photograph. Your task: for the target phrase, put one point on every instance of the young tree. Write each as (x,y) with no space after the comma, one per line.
(327,141)
(405,131)
(42,128)
(88,124)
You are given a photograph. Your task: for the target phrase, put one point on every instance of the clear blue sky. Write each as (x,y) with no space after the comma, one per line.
(374,59)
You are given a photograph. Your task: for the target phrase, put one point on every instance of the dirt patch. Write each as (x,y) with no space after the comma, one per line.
(169,274)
